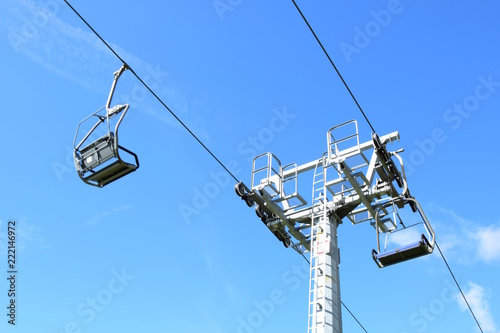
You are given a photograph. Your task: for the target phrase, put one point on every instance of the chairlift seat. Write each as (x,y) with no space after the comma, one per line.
(111,173)
(99,152)
(407,252)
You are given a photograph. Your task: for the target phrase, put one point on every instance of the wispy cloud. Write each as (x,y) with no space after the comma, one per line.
(217,279)
(464,240)
(205,309)
(37,31)
(95,220)
(477,296)
(404,237)
(488,243)
(28,236)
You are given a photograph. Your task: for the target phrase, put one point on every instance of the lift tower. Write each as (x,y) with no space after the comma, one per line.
(353,180)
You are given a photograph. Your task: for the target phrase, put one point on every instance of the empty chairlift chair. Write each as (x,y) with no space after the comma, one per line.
(422,246)
(98,162)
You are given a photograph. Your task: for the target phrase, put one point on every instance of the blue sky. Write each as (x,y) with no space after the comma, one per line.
(125,257)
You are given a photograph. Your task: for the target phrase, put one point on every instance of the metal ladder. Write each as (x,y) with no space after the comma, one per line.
(317,281)
(318,188)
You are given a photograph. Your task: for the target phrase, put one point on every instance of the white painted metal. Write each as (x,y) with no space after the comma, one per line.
(325,313)
(346,183)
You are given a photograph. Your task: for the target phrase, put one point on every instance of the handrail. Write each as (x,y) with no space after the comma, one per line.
(331,141)
(269,167)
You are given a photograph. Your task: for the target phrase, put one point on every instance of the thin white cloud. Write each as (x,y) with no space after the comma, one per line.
(218,282)
(210,266)
(37,31)
(95,220)
(28,236)
(488,243)
(205,309)
(477,297)
(463,240)
(404,237)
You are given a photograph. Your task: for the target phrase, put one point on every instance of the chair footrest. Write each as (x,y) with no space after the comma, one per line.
(407,252)
(111,173)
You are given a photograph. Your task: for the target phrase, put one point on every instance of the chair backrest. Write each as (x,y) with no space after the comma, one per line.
(98,152)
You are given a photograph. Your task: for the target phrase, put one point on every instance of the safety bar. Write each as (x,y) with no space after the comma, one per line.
(427,225)
(101,119)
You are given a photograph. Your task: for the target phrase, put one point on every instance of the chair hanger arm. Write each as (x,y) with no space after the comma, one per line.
(117,74)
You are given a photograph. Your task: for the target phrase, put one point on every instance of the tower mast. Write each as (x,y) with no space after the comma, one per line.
(353,180)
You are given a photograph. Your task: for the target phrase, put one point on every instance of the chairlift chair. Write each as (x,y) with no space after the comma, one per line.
(99,162)
(423,246)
